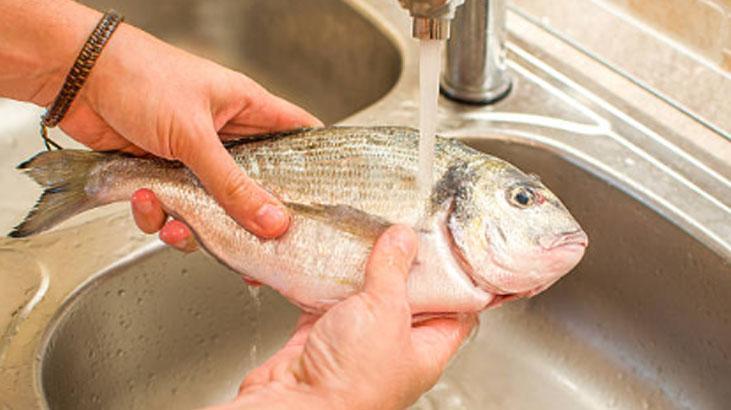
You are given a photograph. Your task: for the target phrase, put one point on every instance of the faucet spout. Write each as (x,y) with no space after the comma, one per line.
(475,70)
(431,17)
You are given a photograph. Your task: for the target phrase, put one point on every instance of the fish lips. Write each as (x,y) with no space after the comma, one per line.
(576,239)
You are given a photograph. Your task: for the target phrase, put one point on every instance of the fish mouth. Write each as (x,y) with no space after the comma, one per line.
(566,240)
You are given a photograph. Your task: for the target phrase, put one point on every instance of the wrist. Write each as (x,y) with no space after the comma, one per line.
(40,43)
(74,29)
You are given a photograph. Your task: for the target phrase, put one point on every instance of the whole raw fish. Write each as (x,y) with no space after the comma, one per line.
(488,232)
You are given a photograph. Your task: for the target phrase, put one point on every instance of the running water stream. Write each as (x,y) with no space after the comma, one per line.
(429,65)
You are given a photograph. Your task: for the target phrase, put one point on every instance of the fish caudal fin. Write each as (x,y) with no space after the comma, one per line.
(63,175)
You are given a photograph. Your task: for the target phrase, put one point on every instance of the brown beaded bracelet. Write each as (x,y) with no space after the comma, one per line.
(78,74)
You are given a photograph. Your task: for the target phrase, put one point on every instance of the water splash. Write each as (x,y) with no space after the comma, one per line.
(254,292)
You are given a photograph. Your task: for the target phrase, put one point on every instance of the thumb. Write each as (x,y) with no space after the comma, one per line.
(389,263)
(242,198)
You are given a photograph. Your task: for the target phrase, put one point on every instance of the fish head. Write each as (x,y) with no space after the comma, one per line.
(510,233)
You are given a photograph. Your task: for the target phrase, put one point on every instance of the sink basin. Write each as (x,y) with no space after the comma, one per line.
(643,321)
(107,318)
(320,54)
(167,331)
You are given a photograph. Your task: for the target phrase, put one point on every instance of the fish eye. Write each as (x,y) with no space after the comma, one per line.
(522,197)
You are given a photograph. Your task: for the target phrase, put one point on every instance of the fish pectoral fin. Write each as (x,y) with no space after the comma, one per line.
(346,218)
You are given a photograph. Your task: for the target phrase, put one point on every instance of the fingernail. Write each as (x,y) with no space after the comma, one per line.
(174,232)
(142,200)
(143,205)
(271,218)
(251,282)
(186,245)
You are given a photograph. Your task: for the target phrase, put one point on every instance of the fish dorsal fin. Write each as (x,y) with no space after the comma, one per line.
(248,139)
(345,218)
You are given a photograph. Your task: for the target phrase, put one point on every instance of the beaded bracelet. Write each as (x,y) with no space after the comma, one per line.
(78,74)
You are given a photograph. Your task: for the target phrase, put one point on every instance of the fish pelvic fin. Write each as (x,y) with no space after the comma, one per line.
(63,175)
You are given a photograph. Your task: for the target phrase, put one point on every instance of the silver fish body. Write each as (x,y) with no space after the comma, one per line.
(344,186)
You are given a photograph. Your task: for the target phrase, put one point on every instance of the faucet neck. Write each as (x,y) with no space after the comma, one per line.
(475,69)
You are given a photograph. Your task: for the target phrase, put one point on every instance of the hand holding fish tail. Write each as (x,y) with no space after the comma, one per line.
(150,218)
(144,96)
(364,353)
(186,103)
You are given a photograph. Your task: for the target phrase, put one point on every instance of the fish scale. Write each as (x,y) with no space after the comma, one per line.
(352,168)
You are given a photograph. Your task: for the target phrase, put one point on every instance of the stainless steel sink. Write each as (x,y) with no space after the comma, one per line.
(162,331)
(642,322)
(110,319)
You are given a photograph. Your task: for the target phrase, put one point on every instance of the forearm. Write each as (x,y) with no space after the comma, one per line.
(39,41)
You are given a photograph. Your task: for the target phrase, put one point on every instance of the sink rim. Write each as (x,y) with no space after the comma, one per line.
(102,276)
(393,22)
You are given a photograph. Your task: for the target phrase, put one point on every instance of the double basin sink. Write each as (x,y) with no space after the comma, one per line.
(96,315)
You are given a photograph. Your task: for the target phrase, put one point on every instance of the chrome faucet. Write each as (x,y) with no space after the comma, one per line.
(475,70)
(431,17)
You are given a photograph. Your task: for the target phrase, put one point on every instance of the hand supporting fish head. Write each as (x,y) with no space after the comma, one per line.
(511,235)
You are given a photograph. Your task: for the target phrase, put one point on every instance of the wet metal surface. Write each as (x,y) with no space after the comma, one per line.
(643,322)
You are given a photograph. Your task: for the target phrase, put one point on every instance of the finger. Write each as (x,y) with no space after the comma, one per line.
(249,204)
(147,211)
(437,340)
(178,235)
(275,368)
(133,150)
(288,115)
(279,363)
(251,282)
(265,112)
(389,263)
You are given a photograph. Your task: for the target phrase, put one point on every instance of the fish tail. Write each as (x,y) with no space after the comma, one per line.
(63,175)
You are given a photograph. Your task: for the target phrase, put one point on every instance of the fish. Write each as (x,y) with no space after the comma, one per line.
(488,232)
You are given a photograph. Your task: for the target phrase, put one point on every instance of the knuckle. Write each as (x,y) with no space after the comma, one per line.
(238,189)
(394,304)
(368,307)
(179,147)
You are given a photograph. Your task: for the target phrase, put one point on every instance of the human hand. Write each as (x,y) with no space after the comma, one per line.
(364,353)
(145,96)
(150,218)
